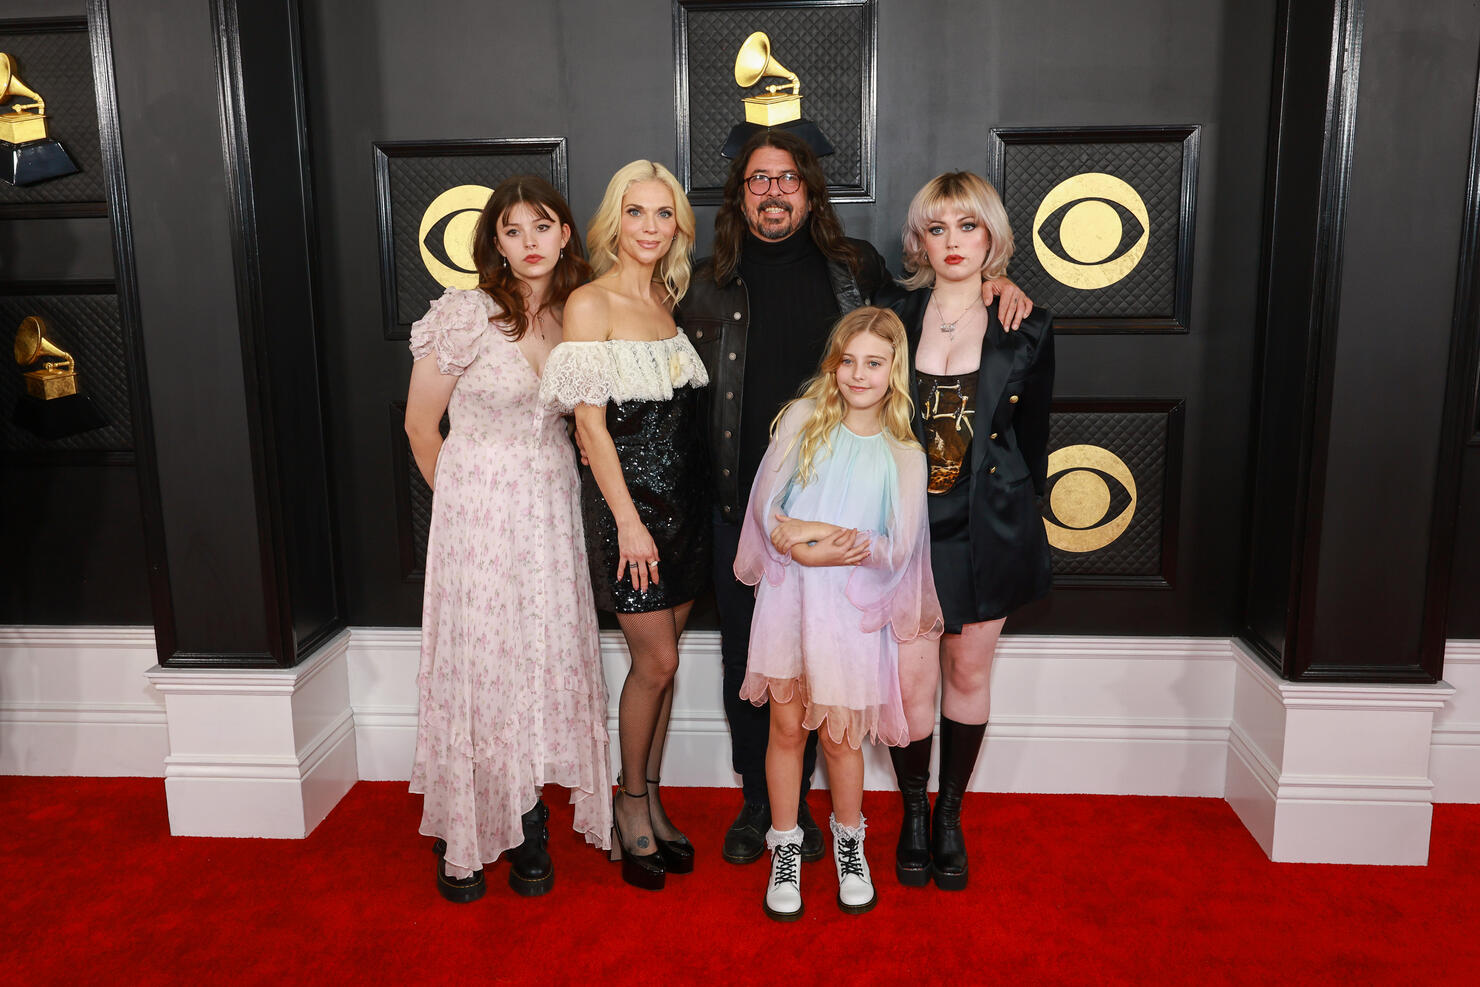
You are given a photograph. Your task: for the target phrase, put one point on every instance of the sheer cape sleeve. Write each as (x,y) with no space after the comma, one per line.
(894,586)
(757,557)
(452,329)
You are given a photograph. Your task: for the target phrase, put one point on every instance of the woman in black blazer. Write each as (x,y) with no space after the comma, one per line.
(982,398)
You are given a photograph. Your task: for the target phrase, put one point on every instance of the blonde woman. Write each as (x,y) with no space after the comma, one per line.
(982,398)
(633,380)
(836,544)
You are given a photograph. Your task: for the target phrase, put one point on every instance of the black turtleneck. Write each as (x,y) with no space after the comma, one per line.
(792,309)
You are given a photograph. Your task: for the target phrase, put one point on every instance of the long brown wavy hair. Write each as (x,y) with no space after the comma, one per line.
(498,279)
(729,224)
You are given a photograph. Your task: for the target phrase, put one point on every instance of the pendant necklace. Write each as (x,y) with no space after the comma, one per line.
(949,328)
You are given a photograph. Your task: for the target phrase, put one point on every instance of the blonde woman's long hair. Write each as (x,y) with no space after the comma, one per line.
(828,407)
(674,269)
(967,193)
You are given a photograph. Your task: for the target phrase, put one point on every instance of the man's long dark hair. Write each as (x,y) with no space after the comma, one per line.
(496,277)
(730,227)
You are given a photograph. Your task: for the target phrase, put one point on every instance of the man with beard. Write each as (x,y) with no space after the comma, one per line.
(781,275)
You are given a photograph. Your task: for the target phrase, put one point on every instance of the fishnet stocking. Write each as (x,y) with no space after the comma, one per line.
(642,719)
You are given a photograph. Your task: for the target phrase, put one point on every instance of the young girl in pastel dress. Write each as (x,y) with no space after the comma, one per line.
(837,544)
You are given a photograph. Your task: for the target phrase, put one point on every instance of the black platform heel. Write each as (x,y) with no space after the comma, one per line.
(646,871)
(678,855)
(531,872)
(459,890)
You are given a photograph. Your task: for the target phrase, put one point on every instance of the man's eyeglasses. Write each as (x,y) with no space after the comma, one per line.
(761,184)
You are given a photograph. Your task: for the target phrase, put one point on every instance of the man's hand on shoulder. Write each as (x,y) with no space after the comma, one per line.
(1012,305)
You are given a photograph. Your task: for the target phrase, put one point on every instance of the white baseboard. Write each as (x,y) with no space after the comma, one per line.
(1109,715)
(258,752)
(74,701)
(1332,773)
(1143,716)
(1455,759)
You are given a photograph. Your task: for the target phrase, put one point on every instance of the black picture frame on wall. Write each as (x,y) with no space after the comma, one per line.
(1034,167)
(60,68)
(408,177)
(831,45)
(1147,436)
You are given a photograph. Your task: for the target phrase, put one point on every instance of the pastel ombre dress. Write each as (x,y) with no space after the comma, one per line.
(511,692)
(833,632)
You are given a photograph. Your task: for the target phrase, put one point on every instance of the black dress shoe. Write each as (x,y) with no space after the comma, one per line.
(531,872)
(460,890)
(812,849)
(745,840)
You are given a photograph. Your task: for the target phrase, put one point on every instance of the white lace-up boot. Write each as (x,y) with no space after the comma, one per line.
(784,892)
(856,893)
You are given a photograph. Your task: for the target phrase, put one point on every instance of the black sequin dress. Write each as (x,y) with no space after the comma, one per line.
(651,393)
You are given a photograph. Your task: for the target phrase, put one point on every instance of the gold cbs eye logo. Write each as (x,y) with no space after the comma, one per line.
(1084,512)
(446,235)
(1091,230)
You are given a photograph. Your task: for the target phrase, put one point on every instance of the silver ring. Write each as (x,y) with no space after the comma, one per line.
(653,564)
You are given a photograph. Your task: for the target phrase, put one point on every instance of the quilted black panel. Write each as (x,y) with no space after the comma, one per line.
(414,183)
(1153,169)
(1139,438)
(58,65)
(88,327)
(829,49)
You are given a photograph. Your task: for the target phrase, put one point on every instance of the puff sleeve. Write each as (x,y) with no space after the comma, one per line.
(453,329)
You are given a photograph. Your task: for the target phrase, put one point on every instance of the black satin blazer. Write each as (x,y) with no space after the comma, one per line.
(1009,457)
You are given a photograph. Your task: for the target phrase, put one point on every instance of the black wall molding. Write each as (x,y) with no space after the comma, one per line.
(1306,194)
(127,286)
(246,250)
(1460,429)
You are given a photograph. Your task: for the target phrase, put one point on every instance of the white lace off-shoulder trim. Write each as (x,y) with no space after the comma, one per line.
(620,370)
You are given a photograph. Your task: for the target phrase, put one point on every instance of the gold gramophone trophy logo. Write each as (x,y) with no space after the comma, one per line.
(773,107)
(57,375)
(52,407)
(27,154)
(780,105)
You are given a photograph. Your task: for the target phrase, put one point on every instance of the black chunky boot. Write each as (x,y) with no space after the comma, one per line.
(531,872)
(959,744)
(912,771)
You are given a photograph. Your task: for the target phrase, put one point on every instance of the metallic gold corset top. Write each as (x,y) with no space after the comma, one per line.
(948,407)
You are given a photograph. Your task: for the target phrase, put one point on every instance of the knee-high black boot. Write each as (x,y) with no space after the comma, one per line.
(959,744)
(912,771)
(531,872)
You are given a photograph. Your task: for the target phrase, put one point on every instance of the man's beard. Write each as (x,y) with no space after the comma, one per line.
(774,232)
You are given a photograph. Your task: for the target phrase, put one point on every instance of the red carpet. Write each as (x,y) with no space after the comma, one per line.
(1081,889)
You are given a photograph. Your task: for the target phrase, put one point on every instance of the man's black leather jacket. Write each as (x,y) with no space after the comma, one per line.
(717,320)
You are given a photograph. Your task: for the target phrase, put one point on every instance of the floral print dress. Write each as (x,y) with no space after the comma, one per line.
(511,693)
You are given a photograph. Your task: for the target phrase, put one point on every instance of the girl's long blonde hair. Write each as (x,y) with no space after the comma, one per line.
(676,266)
(828,407)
